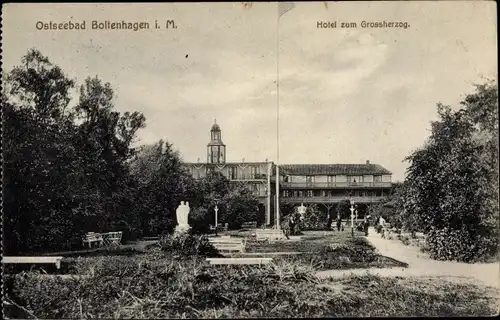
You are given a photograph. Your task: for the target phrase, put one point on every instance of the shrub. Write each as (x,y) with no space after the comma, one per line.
(314,219)
(355,249)
(188,244)
(460,245)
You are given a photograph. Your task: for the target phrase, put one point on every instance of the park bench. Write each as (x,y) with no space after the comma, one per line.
(249,225)
(219,261)
(112,239)
(92,237)
(219,227)
(269,234)
(33,260)
(223,228)
(228,244)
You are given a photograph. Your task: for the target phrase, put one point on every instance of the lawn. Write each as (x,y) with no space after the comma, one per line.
(327,250)
(156,286)
(168,283)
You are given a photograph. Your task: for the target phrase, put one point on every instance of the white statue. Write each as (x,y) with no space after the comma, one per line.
(302,211)
(182,213)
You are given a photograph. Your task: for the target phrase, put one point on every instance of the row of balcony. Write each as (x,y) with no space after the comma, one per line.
(335,184)
(302,185)
(333,199)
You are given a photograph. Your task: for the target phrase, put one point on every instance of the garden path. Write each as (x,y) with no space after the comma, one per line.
(420,265)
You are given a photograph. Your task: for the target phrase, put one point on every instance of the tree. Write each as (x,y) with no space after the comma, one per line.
(343,208)
(236,202)
(65,168)
(162,184)
(451,189)
(39,159)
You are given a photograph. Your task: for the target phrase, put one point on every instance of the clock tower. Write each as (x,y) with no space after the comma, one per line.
(216,149)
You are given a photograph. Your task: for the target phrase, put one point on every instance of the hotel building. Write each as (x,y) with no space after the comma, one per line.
(322,184)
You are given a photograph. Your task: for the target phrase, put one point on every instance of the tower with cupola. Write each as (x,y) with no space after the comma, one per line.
(216,149)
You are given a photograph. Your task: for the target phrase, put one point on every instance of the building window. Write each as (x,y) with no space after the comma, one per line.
(309,193)
(377,178)
(255,188)
(233,173)
(286,178)
(331,179)
(254,172)
(301,194)
(285,193)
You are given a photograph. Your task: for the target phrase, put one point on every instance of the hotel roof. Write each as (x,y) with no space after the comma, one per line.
(333,169)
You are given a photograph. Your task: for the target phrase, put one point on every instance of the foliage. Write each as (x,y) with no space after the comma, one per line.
(152,287)
(343,208)
(186,244)
(235,202)
(452,182)
(65,168)
(391,209)
(71,167)
(162,184)
(314,219)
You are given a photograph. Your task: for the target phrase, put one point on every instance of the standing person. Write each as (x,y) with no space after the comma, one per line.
(381,223)
(339,222)
(366,224)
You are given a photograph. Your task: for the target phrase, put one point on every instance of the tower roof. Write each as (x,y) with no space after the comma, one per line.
(215,127)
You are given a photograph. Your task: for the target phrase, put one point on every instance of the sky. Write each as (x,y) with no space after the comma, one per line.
(345,95)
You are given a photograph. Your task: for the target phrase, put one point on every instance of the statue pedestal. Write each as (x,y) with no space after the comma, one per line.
(182,229)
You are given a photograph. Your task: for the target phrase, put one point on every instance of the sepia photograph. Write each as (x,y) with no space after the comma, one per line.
(250,160)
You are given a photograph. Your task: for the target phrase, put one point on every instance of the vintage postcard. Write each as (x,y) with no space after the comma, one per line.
(250,159)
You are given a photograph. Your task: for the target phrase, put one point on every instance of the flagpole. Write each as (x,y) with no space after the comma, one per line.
(278,225)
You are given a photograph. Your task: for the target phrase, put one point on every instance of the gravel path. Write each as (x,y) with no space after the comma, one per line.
(420,265)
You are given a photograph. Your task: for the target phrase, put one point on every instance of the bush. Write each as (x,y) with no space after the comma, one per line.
(355,249)
(188,244)
(460,245)
(314,219)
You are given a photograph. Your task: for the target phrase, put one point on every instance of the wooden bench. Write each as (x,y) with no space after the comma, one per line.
(33,260)
(219,261)
(249,225)
(92,237)
(228,244)
(269,234)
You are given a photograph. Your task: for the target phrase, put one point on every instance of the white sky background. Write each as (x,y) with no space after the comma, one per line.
(346,96)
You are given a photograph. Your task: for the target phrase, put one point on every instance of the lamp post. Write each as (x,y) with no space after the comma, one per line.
(216,209)
(352,218)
